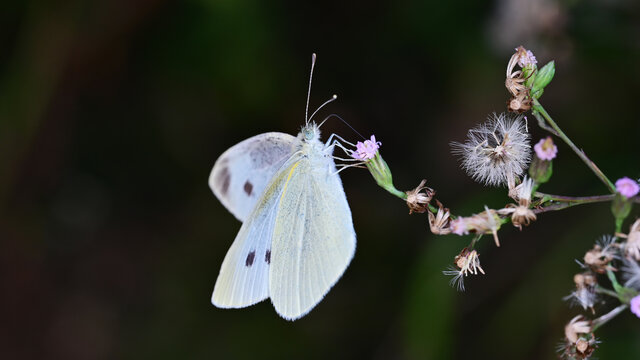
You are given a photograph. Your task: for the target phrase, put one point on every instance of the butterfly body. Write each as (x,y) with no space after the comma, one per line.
(297,238)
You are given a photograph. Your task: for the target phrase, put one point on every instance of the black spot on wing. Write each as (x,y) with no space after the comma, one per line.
(267,257)
(250,258)
(224,178)
(248,188)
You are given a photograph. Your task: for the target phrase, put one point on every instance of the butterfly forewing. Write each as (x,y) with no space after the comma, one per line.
(244,275)
(241,173)
(313,237)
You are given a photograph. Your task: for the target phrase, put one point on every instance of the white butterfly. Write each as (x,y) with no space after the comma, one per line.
(297,236)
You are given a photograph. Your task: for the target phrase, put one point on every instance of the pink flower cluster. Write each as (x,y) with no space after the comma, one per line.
(526,57)
(367,150)
(627,187)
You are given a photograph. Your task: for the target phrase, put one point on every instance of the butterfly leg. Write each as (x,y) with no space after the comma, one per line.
(331,138)
(339,145)
(358,165)
(346,151)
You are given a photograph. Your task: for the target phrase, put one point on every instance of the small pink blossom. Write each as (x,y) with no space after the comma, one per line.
(367,150)
(546,149)
(458,226)
(635,305)
(526,57)
(627,187)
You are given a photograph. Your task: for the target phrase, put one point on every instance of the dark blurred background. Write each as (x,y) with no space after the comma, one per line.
(112,114)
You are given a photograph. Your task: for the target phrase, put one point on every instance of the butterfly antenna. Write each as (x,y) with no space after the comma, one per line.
(343,120)
(321,106)
(306,111)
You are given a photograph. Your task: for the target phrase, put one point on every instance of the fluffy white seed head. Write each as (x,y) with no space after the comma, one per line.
(496,151)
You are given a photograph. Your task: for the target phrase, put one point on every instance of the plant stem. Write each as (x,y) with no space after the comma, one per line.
(395,192)
(574,199)
(606,317)
(616,285)
(537,107)
(543,124)
(560,206)
(554,207)
(619,225)
(475,240)
(603,290)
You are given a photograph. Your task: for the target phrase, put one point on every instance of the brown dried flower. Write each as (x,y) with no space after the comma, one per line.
(439,223)
(602,254)
(585,293)
(418,200)
(466,263)
(585,279)
(521,214)
(515,79)
(520,103)
(576,327)
(515,82)
(576,345)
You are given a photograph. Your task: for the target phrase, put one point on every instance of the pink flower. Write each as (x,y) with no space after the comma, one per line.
(458,226)
(526,57)
(635,305)
(367,150)
(627,187)
(546,149)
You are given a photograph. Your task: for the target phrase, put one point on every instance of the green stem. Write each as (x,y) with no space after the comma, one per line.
(616,285)
(475,240)
(537,107)
(603,290)
(403,195)
(619,222)
(393,191)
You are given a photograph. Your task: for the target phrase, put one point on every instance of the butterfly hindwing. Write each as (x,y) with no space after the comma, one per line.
(241,173)
(244,274)
(313,238)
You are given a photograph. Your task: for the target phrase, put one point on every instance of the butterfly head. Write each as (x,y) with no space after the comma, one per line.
(310,133)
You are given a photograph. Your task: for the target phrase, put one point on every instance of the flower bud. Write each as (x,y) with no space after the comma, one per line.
(368,152)
(540,170)
(528,63)
(543,78)
(620,207)
(382,174)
